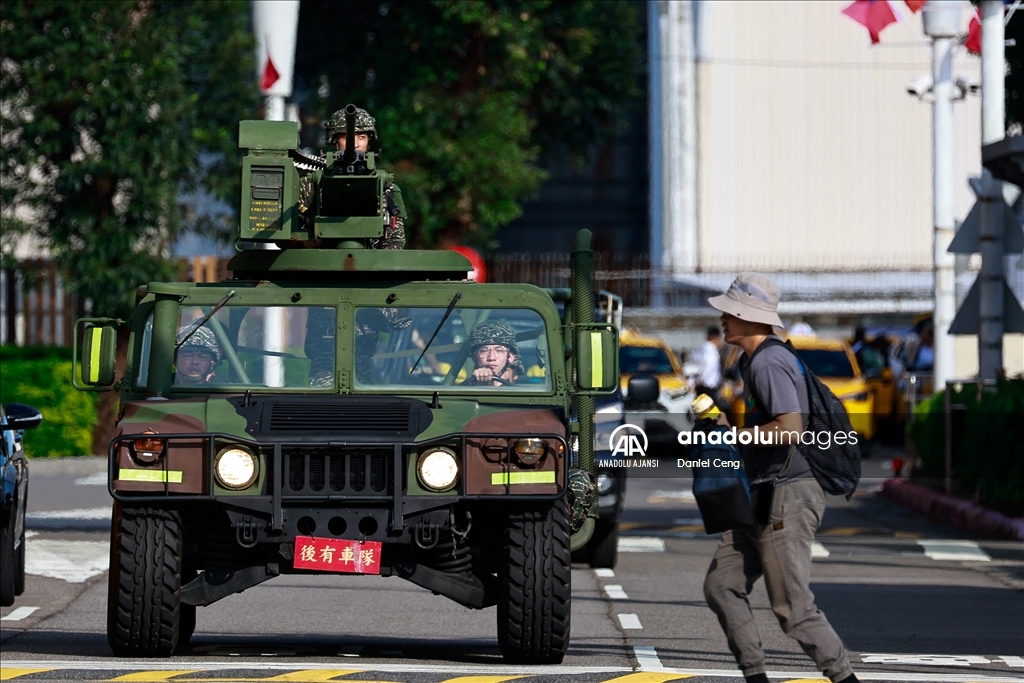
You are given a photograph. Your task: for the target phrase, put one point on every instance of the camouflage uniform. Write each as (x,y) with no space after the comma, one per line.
(582,493)
(394,233)
(499,334)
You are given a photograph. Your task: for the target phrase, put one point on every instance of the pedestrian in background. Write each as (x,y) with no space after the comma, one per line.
(789,500)
(709,363)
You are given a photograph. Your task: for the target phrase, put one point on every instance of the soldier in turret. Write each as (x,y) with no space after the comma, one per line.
(365,141)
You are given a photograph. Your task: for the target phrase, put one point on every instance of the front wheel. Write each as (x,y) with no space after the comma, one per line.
(536,587)
(144,611)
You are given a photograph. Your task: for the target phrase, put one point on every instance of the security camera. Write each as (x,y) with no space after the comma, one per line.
(967,84)
(921,87)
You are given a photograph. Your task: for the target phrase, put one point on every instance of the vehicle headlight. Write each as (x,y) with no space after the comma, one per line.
(236,468)
(604,484)
(438,469)
(529,451)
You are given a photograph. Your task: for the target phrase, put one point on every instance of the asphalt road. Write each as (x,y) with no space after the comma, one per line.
(913,601)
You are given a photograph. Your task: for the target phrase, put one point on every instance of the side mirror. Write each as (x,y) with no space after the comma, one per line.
(642,389)
(21,416)
(597,360)
(99,355)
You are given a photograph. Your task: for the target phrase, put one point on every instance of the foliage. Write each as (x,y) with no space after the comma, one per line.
(41,377)
(988,442)
(111,111)
(470,95)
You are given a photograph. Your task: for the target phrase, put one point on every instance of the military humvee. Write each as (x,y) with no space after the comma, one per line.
(338,426)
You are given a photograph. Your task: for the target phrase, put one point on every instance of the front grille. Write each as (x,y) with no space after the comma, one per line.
(344,471)
(308,416)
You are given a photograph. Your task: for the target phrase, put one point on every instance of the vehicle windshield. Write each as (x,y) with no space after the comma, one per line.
(500,349)
(257,346)
(826,363)
(650,359)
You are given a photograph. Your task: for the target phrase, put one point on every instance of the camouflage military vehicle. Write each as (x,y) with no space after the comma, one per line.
(320,411)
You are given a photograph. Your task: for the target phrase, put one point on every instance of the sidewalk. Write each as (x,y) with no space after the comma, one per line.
(952,510)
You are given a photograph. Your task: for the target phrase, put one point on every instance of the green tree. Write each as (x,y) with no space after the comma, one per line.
(110,112)
(470,95)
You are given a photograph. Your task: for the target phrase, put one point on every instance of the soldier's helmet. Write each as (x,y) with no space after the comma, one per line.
(499,333)
(364,124)
(202,340)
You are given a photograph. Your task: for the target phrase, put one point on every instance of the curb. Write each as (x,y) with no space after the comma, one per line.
(955,511)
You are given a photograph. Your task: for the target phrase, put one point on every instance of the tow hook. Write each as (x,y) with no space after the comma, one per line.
(246,532)
(426,534)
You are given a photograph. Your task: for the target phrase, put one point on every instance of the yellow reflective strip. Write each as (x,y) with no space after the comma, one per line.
(649,677)
(7,673)
(94,355)
(502,478)
(152,676)
(172,477)
(311,675)
(596,361)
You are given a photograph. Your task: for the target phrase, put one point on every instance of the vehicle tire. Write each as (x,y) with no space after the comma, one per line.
(19,566)
(144,615)
(7,562)
(536,594)
(604,545)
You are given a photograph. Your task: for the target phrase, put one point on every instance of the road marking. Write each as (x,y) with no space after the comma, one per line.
(604,573)
(819,551)
(8,673)
(954,550)
(648,677)
(19,613)
(646,657)
(615,592)
(1012,661)
(641,544)
(98,479)
(670,496)
(153,676)
(312,676)
(629,621)
(807,680)
(76,515)
(697,521)
(480,679)
(924,660)
(71,561)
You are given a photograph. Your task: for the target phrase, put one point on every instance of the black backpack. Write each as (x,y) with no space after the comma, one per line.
(837,467)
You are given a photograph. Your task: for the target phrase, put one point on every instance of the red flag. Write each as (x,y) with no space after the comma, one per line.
(270,75)
(874,15)
(973,42)
(915,5)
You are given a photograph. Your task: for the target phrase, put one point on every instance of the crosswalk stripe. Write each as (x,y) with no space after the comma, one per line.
(818,550)
(153,676)
(19,613)
(480,679)
(641,544)
(7,674)
(954,550)
(648,677)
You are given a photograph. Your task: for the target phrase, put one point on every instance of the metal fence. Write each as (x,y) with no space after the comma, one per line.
(35,307)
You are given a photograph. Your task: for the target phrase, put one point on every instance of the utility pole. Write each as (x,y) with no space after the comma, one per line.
(993,129)
(942,23)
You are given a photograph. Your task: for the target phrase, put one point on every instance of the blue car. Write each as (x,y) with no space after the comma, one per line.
(14,470)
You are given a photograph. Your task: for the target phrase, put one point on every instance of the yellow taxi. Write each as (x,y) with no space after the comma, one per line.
(836,366)
(641,353)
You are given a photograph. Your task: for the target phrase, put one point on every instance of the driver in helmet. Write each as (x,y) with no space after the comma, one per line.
(196,360)
(495,354)
(365,141)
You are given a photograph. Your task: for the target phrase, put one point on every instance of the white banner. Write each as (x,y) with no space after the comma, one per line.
(275,23)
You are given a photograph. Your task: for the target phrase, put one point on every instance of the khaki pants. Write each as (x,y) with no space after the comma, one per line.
(781,552)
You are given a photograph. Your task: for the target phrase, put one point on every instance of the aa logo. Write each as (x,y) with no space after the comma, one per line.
(628,440)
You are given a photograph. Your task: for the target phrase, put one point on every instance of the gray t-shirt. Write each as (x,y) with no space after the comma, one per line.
(774,377)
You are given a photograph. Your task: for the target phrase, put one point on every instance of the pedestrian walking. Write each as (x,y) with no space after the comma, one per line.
(789,502)
(709,363)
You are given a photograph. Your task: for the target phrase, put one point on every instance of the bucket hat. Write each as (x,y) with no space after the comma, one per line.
(751,296)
